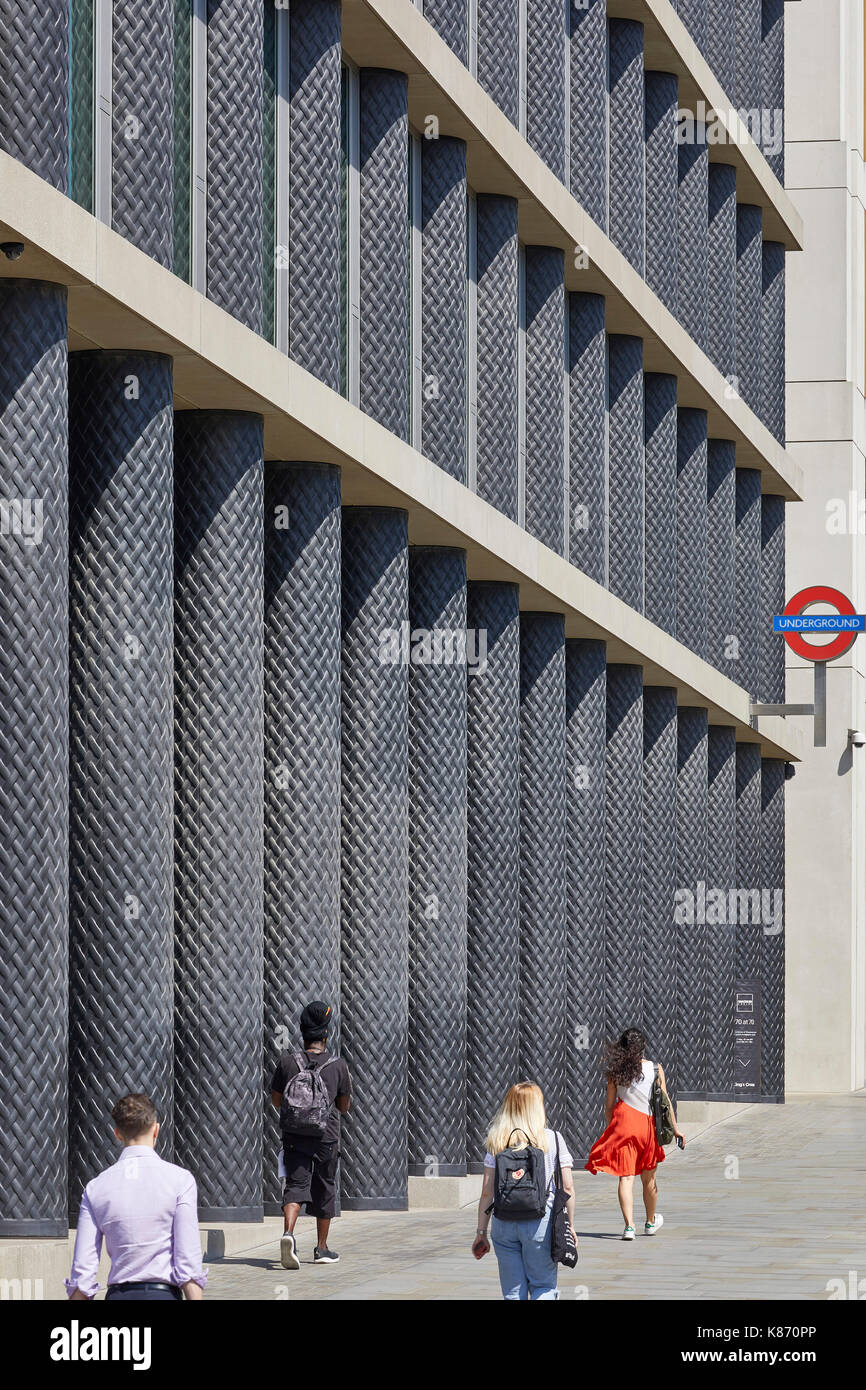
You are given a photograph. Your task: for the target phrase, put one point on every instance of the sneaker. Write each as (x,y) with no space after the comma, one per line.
(651,1227)
(325,1257)
(288,1252)
(628,1233)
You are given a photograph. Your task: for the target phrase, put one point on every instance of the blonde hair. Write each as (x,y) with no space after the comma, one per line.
(521,1110)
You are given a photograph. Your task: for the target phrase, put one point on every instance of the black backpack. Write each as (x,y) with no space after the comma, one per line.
(307,1104)
(520,1183)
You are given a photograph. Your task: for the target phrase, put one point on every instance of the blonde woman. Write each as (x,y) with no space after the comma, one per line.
(526,1267)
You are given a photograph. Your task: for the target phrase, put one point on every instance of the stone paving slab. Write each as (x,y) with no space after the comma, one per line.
(790,1221)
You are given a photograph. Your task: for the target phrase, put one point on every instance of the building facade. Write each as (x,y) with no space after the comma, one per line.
(392,429)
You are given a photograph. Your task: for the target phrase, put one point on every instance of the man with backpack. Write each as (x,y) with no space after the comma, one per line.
(311,1090)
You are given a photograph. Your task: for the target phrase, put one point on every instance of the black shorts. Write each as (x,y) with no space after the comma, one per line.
(311,1178)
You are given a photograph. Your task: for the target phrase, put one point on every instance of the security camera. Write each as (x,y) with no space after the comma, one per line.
(857,737)
(12,250)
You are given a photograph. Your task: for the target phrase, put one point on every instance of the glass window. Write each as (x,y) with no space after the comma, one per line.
(81,102)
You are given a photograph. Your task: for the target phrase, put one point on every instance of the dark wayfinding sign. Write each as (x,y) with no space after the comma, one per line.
(747,1038)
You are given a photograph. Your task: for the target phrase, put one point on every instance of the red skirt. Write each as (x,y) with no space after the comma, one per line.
(628,1145)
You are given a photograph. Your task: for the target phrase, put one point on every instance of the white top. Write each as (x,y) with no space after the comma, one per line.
(637,1094)
(565,1158)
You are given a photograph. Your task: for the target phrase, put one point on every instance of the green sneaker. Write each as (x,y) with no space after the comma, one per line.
(628,1233)
(651,1227)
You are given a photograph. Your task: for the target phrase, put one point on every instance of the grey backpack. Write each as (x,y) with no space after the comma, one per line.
(306,1104)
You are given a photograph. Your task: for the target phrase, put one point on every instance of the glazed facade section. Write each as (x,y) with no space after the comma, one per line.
(256,747)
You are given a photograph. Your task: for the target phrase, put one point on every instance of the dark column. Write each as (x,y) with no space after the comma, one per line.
(772,409)
(497,272)
(121,715)
(315,198)
(543,910)
(692,236)
(499,53)
(218,809)
(34,86)
(721,930)
(747,46)
(437,859)
(588,77)
(234,158)
(450,18)
(773,929)
(722,281)
(660,499)
(662,179)
(585,732)
(587,434)
(493,822)
(625,555)
(691,910)
(34,740)
(302,766)
(692,529)
(624,851)
(545,82)
(748,579)
(627,187)
(142,118)
(444,304)
(375,855)
(385,248)
(545,396)
(747,947)
(693,13)
(749,287)
(721,42)
(660,932)
(722,556)
(771,682)
(772,78)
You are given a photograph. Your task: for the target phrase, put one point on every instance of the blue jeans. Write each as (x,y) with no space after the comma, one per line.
(526,1268)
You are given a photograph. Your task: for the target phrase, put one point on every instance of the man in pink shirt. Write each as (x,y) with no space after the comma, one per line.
(146,1211)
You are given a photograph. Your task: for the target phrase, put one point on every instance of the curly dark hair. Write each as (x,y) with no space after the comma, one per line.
(622,1059)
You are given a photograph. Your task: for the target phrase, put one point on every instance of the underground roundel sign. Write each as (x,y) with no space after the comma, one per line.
(845,623)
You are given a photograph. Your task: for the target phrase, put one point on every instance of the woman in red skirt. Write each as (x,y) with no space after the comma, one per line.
(628,1145)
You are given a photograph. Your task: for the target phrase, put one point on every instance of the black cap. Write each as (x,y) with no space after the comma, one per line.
(315,1021)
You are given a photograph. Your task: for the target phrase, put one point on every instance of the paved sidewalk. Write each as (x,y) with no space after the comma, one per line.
(767,1204)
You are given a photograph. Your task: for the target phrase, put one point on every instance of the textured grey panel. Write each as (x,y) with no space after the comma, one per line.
(588,76)
(625,135)
(721,554)
(747,72)
(660,876)
(771,682)
(625,429)
(773,936)
(721,41)
(450,19)
(496,431)
(721,934)
(142,120)
(302,765)
(773,84)
(585,725)
(315,200)
(34,86)
(587,434)
(375,856)
(444,303)
(544,1043)
(660,499)
(499,53)
(693,13)
(121,748)
(692,236)
(33,758)
(624,851)
(722,260)
(773,339)
(692,529)
(545,81)
(234,158)
(385,248)
(545,396)
(661,186)
(218,808)
(181,139)
(691,861)
(437,866)
(748,578)
(750,874)
(493,821)
(749,281)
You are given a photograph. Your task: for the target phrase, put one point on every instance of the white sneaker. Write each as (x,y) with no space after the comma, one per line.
(628,1233)
(651,1227)
(288,1253)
